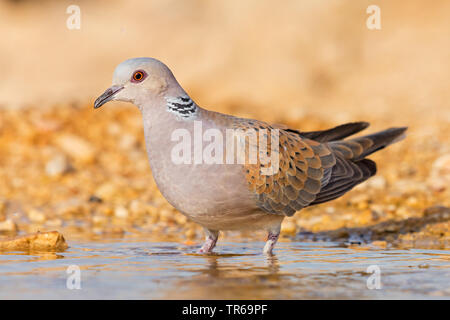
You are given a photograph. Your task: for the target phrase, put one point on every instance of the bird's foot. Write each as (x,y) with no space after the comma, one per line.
(272,239)
(210,242)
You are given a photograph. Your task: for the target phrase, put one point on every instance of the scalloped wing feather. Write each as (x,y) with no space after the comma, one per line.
(305,166)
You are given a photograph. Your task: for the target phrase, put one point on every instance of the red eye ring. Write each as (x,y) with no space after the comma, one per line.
(138,76)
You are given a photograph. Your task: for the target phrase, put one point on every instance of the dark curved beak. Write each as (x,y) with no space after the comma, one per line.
(108,95)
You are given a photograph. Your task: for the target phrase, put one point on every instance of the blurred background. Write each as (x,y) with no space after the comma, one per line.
(296,57)
(309,64)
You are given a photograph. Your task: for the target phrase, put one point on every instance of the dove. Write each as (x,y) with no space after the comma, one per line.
(221,190)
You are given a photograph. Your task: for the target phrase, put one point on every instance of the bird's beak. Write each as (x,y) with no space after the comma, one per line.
(108,95)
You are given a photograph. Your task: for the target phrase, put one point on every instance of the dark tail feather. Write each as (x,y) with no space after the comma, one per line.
(359,148)
(337,133)
(351,168)
(345,176)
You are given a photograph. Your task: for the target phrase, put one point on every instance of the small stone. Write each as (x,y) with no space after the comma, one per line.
(439,179)
(70,209)
(377,212)
(190,233)
(107,191)
(98,220)
(42,241)
(8,226)
(402,212)
(95,199)
(288,227)
(381,244)
(121,212)
(330,210)
(412,201)
(127,141)
(36,216)
(57,166)
(180,219)
(377,182)
(362,197)
(166,215)
(137,208)
(76,147)
(114,129)
(354,239)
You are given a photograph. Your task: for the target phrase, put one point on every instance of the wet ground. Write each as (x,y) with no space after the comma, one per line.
(130,269)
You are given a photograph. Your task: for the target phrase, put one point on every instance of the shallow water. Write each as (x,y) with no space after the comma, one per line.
(124,269)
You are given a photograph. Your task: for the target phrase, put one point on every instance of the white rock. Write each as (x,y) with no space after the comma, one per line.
(57,166)
(377,182)
(121,212)
(36,216)
(127,141)
(439,178)
(76,147)
(8,226)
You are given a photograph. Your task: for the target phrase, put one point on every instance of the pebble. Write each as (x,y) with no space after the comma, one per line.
(360,201)
(70,208)
(121,212)
(377,183)
(8,226)
(42,241)
(36,216)
(98,220)
(165,215)
(288,227)
(180,219)
(76,147)
(380,243)
(95,199)
(403,212)
(127,141)
(137,208)
(107,191)
(439,179)
(57,166)
(190,233)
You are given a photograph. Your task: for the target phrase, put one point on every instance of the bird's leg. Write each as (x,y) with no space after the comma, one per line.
(210,241)
(272,239)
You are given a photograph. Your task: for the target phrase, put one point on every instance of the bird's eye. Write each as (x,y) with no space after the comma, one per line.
(138,76)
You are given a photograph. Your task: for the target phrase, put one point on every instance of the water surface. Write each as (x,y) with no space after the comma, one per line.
(124,269)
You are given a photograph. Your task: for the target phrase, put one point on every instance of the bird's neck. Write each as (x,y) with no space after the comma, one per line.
(181,106)
(166,114)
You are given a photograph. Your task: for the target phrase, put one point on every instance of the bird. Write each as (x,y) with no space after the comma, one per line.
(307,168)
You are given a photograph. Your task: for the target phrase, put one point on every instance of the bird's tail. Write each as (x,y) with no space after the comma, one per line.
(358,148)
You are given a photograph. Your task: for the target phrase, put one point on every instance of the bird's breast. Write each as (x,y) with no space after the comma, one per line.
(201,190)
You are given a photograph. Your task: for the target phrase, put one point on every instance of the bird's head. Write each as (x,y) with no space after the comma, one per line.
(137,80)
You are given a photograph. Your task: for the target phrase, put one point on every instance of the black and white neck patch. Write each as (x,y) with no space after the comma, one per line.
(182,106)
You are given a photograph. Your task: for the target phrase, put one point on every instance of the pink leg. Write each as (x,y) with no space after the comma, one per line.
(272,239)
(210,242)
